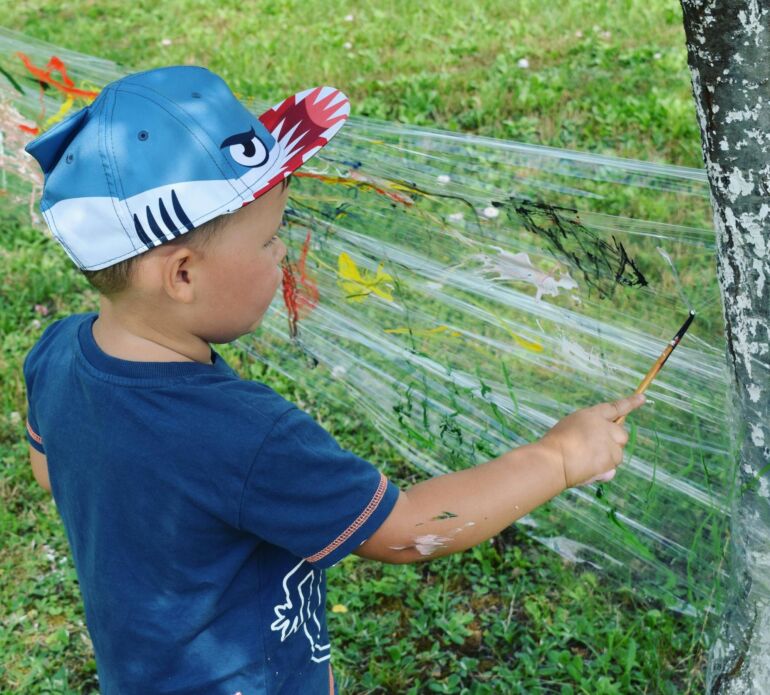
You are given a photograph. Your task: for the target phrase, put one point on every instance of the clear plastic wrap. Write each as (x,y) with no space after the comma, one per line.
(461,294)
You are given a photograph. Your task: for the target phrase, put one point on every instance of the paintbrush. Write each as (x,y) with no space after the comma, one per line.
(661,360)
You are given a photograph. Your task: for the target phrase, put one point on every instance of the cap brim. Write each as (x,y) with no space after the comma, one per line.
(301,125)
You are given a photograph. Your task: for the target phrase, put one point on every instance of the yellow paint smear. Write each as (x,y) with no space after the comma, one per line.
(521,342)
(61,113)
(426,332)
(358,286)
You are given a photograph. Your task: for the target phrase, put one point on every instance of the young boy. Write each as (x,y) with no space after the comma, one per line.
(201,508)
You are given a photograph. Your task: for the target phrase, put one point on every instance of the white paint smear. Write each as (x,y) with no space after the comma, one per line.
(519,267)
(580,358)
(430,543)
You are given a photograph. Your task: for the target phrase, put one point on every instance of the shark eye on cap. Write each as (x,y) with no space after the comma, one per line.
(246,149)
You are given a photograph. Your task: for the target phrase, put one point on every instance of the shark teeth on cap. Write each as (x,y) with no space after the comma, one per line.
(340,97)
(325,92)
(298,97)
(307,155)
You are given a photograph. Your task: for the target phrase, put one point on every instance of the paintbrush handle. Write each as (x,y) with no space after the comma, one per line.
(651,374)
(661,360)
(654,369)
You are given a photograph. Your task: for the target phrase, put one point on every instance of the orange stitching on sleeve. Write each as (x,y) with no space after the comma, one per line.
(34,434)
(357,524)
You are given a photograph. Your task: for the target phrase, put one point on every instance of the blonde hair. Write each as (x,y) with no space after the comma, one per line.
(114,279)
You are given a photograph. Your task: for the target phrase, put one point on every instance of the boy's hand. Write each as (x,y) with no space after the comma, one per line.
(589,442)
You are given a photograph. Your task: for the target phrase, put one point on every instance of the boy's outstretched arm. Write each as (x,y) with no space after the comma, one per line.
(39,464)
(456,511)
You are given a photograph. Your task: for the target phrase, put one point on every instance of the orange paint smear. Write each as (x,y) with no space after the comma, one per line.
(307,299)
(45,75)
(360,181)
(300,292)
(290,298)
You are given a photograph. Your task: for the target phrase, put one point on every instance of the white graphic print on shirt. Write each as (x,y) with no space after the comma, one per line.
(302,589)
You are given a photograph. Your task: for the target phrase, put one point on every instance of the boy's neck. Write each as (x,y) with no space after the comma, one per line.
(132,337)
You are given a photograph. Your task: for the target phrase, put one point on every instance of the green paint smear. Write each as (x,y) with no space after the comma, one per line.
(12,80)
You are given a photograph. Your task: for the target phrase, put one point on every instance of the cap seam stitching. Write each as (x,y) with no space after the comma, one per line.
(160,105)
(121,192)
(48,214)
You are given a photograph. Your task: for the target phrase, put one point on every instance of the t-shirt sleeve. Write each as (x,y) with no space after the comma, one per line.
(308,495)
(34,439)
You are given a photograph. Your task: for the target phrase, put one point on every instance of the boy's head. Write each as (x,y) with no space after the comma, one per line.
(167,153)
(116,279)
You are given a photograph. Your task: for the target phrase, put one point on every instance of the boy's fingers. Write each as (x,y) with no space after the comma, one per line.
(621,408)
(601,478)
(619,435)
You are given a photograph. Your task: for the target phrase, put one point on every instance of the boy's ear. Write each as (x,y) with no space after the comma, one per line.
(179,273)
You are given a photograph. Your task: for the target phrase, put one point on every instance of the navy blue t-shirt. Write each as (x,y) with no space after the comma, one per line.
(201,510)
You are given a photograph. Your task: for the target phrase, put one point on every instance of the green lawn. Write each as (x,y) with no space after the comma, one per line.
(509,616)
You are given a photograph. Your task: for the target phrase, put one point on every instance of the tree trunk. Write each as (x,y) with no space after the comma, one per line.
(728,47)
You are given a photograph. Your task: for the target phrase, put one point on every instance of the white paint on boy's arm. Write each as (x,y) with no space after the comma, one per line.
(429,543)
(425,545)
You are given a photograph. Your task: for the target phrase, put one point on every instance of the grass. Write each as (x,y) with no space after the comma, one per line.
(604,76)
(507,616)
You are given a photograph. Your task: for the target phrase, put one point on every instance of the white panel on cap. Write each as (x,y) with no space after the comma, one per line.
(88,230)
(199,200)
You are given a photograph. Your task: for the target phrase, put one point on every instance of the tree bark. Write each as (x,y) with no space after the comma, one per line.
(728,47)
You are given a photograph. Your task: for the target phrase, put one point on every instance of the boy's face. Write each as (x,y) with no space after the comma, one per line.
(243,269)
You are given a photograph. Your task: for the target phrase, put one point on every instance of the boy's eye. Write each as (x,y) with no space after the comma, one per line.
(273,239)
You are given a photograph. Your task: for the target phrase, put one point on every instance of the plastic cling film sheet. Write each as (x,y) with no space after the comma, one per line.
(462,294)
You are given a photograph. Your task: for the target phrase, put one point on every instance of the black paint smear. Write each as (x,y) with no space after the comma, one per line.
(293,214)
(604,265)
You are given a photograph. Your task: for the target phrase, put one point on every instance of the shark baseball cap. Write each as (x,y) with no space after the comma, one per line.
(159,153)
